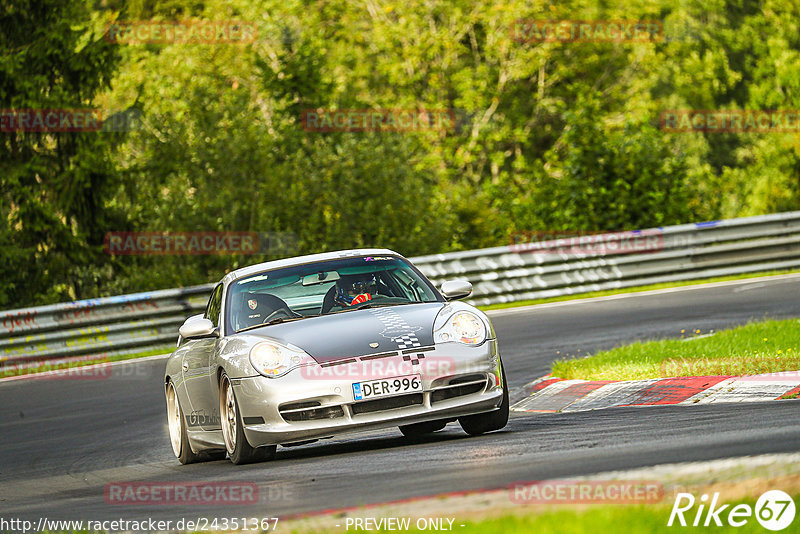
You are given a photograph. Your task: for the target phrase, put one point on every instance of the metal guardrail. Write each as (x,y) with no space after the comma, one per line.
(109,325)
(136,322)
(683,252)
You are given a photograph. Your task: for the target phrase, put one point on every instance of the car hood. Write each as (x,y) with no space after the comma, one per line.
(341,335)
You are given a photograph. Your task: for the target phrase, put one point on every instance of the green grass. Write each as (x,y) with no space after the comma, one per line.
(755,348)
(591,519)
(634,289)
(628,519)
(14,371)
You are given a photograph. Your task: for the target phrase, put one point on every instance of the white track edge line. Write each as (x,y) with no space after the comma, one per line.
(579,300)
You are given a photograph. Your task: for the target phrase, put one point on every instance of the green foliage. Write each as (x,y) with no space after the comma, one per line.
(548,135)
(54,188)
(613,178)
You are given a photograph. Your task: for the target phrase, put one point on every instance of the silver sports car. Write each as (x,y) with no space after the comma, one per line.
(294,350)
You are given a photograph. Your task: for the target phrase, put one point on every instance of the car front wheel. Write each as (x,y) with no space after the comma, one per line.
(481,423)
(239,450)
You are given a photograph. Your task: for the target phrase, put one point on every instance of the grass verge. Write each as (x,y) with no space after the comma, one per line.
(578,519)
(733,480)
(638,519)
(755,348)
(634,289)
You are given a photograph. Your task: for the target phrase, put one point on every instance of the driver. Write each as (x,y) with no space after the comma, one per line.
(355,289)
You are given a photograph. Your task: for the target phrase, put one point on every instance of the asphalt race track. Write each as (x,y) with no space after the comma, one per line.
(64,440)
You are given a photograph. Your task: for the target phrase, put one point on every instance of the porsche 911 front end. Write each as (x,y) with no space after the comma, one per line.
(404,386)
(323,345)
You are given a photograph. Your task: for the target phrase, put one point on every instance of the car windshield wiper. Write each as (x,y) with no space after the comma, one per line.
(274,321)
(279,320)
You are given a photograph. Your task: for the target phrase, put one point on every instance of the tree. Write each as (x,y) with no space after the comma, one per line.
(53,186)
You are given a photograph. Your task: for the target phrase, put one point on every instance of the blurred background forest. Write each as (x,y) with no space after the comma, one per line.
(550,135)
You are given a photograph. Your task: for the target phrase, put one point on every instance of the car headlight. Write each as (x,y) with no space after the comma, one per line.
(462,327)
(273,359)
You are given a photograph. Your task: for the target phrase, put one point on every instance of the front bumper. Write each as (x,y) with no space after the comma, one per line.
(310,403)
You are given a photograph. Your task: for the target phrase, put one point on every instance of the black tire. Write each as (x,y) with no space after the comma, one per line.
(236,444)
(179,438)
(478,424)
(420,429)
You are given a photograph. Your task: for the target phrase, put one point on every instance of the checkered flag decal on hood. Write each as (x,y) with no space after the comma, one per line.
(397,329)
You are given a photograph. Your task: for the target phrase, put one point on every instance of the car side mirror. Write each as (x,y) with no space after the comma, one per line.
(189,320)
(456,289)
(194,327)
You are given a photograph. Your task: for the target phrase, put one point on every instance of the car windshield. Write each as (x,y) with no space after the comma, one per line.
(322,288)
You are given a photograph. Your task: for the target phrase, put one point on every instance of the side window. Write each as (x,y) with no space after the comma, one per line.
(214,305)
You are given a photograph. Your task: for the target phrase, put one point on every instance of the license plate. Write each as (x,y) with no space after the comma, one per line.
(386,387)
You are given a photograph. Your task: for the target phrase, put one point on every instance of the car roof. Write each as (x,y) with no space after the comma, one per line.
(301,260)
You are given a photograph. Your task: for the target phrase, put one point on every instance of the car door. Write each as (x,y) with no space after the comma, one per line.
(199,372)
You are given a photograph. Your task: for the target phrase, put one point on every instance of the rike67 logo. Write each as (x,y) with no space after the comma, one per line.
(774,510)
